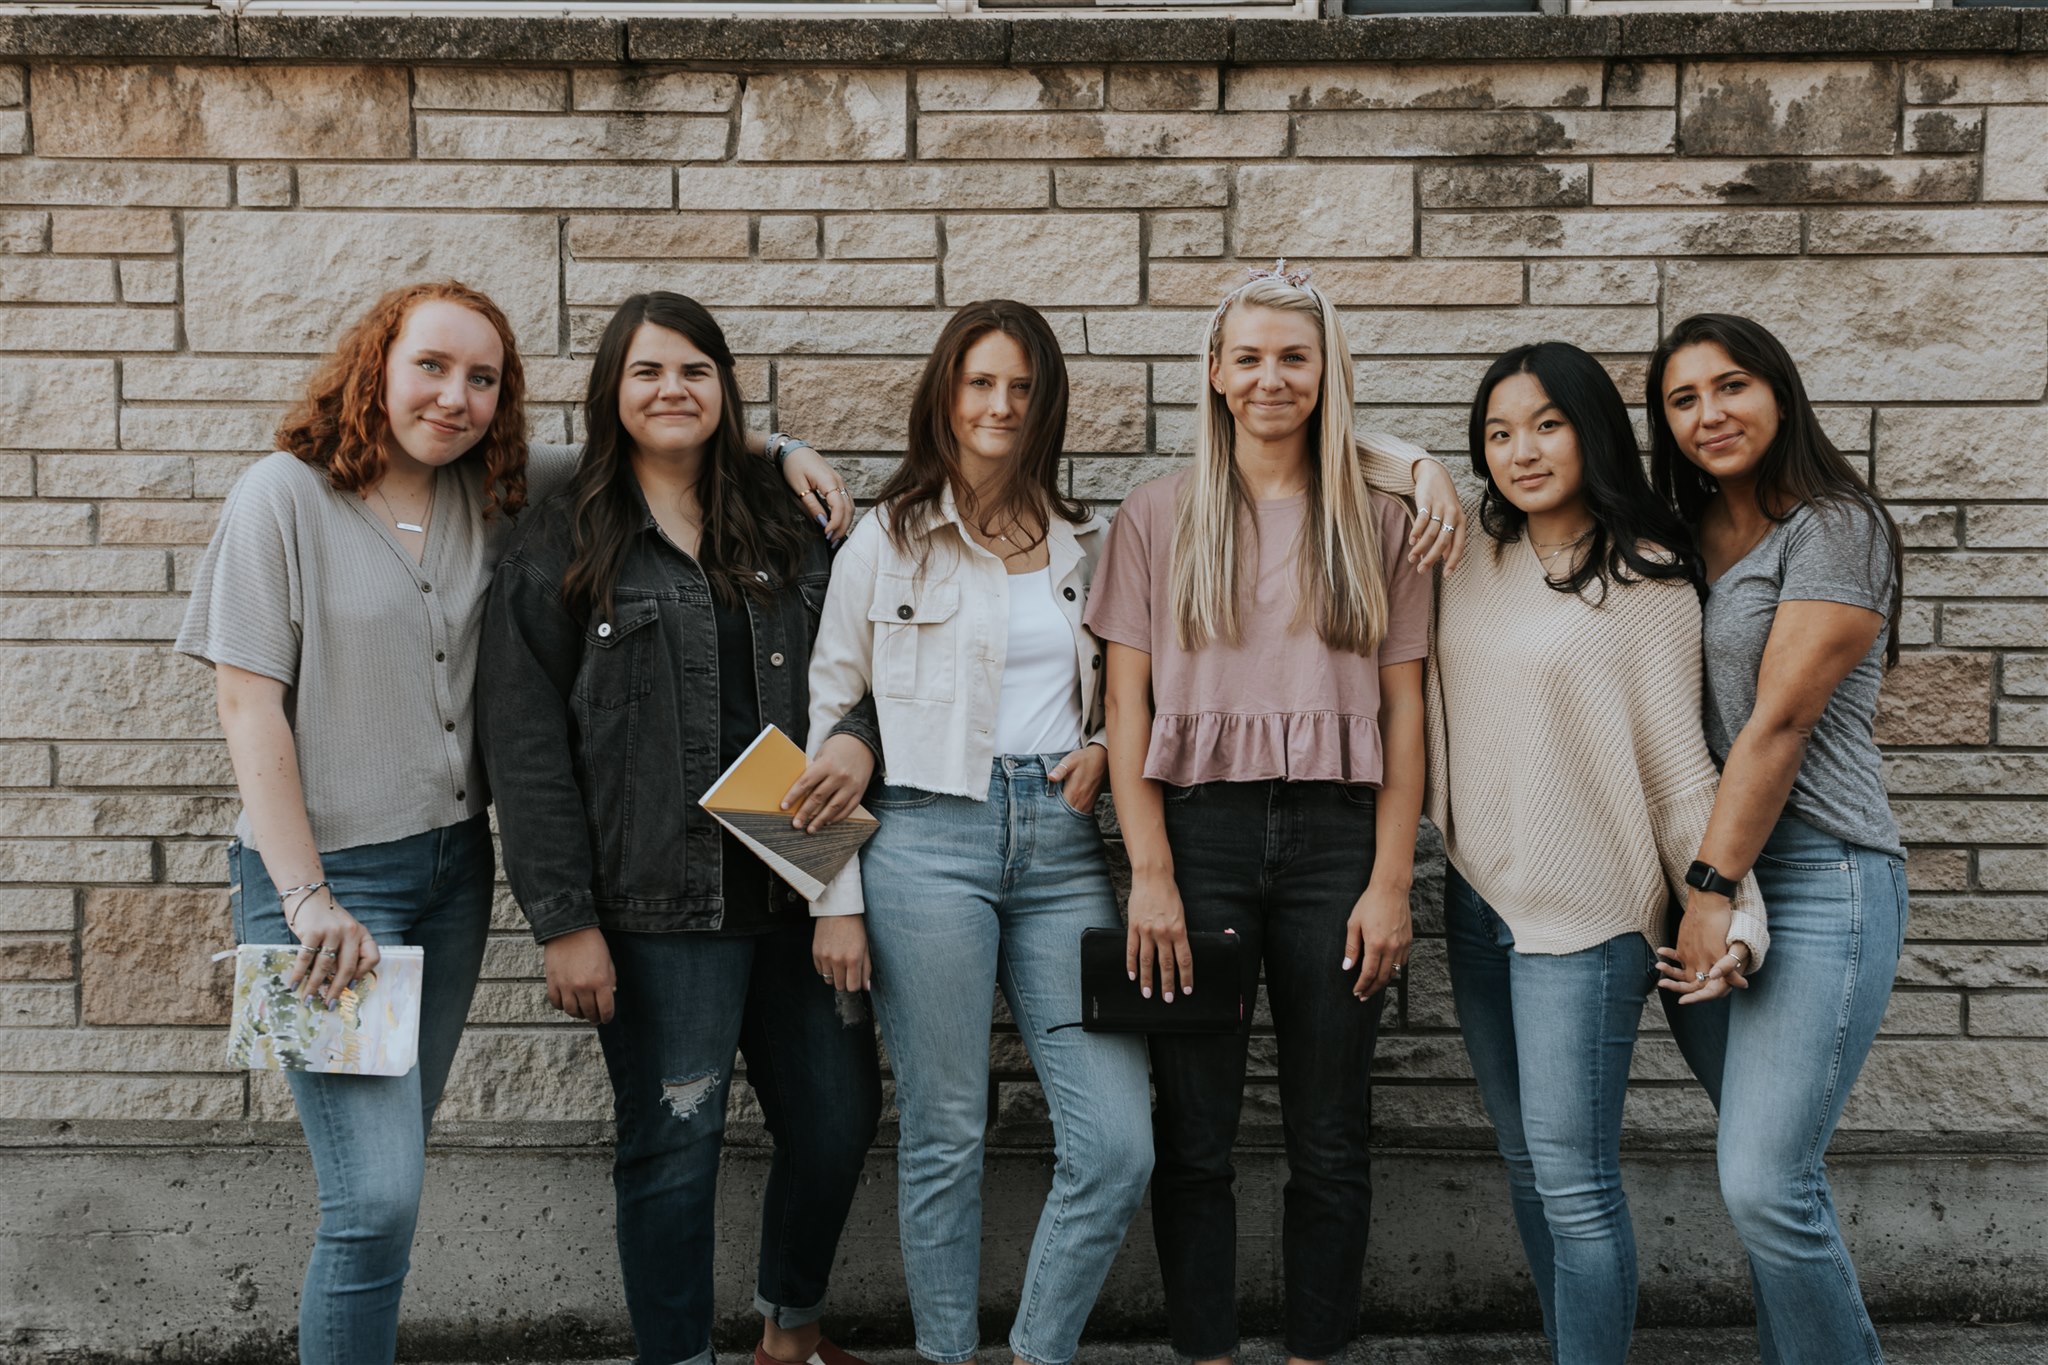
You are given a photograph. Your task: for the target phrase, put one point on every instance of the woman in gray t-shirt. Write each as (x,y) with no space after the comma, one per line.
(1802,564)
(340,603)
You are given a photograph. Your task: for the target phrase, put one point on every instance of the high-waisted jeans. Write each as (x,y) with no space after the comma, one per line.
(687,1002)
(368,1134)
(1778,1060)
(1550,1037)
(962,897)
(1283,864)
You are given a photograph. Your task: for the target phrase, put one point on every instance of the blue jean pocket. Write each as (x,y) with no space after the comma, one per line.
(890,796)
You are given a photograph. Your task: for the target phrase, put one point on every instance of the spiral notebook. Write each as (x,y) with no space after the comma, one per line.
(747,799)
(372,1029)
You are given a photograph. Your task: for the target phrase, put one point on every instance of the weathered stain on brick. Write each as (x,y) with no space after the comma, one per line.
(1942,130)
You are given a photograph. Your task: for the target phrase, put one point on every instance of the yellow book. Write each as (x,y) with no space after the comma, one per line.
(747,799)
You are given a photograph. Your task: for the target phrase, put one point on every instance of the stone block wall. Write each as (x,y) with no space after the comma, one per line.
(180,236)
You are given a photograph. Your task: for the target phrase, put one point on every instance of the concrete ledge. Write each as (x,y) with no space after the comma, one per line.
(1809,32)
(910,42)
(1198,39)
(117,35)
(430,39)
(929,42)
(174,1256)
(1450,37)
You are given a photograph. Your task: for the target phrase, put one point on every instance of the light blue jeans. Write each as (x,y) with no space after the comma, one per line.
(1778,1060)
(1550,1037)
(368,1134)
(963,896)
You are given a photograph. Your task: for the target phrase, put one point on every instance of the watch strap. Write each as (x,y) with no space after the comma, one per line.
(1706,877)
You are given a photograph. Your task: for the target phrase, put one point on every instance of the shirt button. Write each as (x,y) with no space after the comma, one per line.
(426,587)
(904,611)
(604,630)
(1095,662)
(449,726)
(775,660)
(1068,593)
(460,794)
(440,656)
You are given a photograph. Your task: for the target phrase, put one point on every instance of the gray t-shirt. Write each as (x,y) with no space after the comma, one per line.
(1836,553)
(303,583)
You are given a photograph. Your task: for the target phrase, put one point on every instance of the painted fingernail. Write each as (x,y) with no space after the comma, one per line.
(1145,991)
(1187,990)
(1132,975)
(1169,997)
(1347,964)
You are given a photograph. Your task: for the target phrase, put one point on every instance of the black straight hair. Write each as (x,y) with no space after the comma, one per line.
(1635,534)
(750,528)
(1802,468)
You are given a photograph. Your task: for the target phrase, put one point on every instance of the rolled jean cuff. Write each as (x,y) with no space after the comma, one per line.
(946,1358)
(1030,1359)
(786,1318)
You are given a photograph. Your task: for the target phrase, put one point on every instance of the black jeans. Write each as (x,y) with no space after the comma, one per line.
(686,1002)
(1283,864)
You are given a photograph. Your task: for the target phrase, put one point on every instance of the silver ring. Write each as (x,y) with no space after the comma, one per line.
(1399,971)
(1699,976)
(824,976)
(330,952)
(1436,519)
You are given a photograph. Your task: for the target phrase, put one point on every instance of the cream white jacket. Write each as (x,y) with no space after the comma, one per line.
(931,647)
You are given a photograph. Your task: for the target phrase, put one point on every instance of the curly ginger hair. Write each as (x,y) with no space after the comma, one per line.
(341,424)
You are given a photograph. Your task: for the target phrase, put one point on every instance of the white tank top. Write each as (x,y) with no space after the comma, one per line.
(1040,708)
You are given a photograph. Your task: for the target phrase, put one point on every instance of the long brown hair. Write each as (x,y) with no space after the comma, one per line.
(1801,469)
(931,457)
(750,526)
(341,424)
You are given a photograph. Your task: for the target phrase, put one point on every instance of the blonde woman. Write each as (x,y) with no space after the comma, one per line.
(1264,708)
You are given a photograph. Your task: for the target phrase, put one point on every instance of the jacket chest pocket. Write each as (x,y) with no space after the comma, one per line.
(618,656)
(915,629)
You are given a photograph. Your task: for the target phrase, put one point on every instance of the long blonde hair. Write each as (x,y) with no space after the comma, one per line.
(1342,579)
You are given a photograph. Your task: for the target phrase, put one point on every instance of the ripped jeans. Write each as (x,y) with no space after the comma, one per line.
(686,1003)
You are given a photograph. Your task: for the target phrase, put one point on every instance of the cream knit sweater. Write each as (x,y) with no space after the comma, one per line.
(1567,769)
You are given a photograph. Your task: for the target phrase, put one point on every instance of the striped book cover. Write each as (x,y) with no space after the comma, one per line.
(747,799)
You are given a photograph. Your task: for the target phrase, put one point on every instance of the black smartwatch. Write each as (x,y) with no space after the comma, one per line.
(1703,877)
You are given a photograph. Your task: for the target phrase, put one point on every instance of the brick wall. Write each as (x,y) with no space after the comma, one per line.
(182,237)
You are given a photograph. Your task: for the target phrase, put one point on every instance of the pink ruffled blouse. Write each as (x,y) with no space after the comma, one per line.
(1279,703)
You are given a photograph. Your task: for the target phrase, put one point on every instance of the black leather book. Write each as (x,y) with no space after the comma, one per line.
(1110,1002)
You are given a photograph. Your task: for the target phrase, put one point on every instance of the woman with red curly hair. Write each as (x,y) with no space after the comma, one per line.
(340,604)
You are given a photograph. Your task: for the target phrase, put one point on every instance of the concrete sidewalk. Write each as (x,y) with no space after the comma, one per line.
(1904,1344)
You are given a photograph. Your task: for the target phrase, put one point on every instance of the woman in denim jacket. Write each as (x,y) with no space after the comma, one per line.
(645,625)
(958,602)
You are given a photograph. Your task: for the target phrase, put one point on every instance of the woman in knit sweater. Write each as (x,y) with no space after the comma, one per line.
(1572,784)
(1802,561)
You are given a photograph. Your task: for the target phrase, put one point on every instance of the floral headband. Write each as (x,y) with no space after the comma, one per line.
(1280,273)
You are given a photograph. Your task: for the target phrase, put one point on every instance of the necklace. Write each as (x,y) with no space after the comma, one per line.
(1579,539)
(417,528)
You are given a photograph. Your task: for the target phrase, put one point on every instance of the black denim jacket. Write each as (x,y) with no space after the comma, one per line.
(600,735)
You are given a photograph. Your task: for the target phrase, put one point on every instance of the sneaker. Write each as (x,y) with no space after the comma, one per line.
(826,1354)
